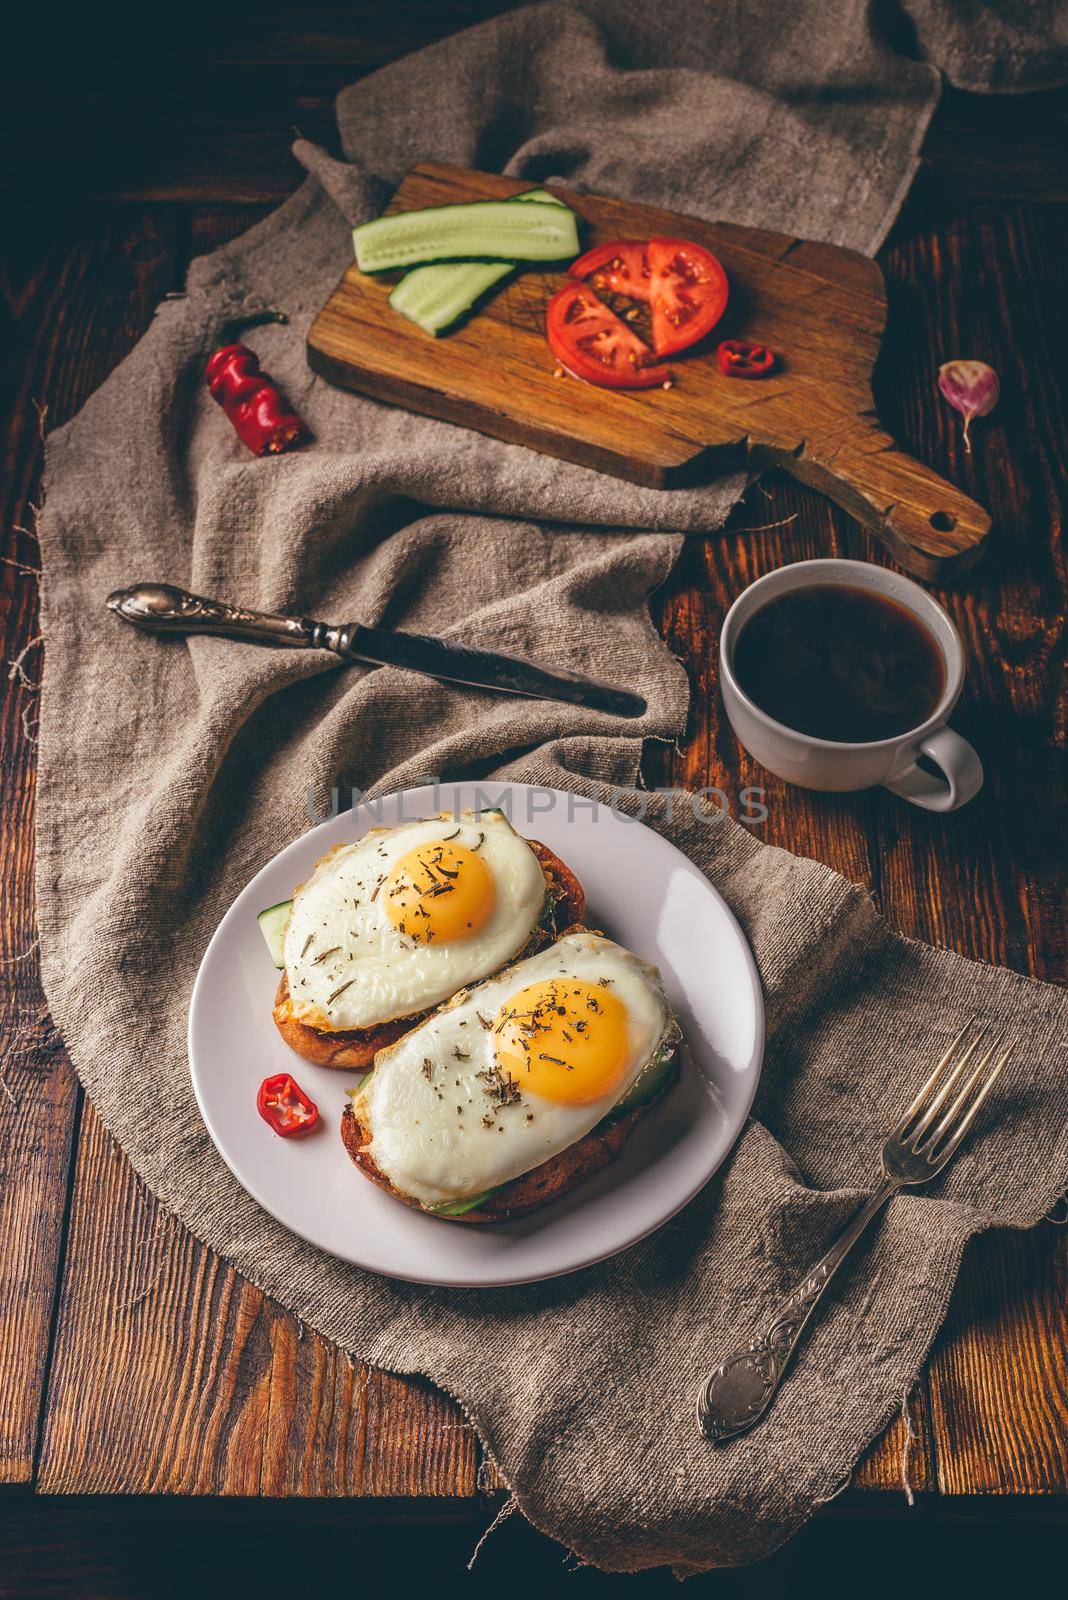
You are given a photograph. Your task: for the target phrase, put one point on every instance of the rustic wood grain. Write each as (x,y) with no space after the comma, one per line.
(168,1371)
(37,1091)
(994,888)
(52,361)
(172,1375)
(1001,1421)
(821,308)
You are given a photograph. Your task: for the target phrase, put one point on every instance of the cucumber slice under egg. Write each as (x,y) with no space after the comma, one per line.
(273,923)
(651,1080)
(457,1208)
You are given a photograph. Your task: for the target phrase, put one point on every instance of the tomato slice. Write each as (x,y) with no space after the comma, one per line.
(592,343)
(682,283)
(689,293)
(282,1103)
(621,268)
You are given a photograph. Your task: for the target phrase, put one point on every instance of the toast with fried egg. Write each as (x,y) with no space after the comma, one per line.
(525,1194)
(520,1088)
(387,929)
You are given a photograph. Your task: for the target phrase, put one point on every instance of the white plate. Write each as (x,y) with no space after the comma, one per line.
(642,892)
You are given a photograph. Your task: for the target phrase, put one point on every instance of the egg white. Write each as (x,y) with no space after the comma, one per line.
(383,975)
(429,1133)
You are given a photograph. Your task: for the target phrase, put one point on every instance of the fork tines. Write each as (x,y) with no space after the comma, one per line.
(938,1142)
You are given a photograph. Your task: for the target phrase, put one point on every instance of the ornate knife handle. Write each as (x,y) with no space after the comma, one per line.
(739,1391)
(161,608)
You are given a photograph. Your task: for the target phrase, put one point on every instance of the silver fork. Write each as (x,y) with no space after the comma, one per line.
(739,1391)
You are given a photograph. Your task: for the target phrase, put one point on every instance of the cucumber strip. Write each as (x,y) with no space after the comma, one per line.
(651,1080)
(492,230)
(435,298)
(273,927)
(457,1208)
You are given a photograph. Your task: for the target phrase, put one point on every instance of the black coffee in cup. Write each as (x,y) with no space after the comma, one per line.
(841,663)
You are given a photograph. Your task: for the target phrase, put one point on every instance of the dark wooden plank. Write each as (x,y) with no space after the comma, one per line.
(203,113)
(995,147)
(172,1375)
(989,882)
(155,1549)
(999,1378)
(52,361)
(37,1093)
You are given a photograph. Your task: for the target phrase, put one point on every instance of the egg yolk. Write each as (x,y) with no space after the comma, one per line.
(564,1040)
(439,891)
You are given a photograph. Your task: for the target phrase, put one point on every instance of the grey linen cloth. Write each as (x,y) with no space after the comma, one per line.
(170,772)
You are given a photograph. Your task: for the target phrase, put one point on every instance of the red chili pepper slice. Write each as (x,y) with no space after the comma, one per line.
(262,418)
(284,1106)
(737,358)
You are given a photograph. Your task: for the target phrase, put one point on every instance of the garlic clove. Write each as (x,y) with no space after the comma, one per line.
(972,388)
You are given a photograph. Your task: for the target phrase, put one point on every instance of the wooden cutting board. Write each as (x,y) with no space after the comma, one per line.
(822,308)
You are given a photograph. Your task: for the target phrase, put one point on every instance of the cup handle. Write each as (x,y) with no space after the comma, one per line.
(961,768)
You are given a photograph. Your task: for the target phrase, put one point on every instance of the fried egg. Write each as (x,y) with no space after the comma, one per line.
(514,1071)
(399,921)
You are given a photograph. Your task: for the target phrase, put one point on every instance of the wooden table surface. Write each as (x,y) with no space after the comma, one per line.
(131,1360)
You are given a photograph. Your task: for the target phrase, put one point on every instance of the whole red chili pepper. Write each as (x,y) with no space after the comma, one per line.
(737,358)
(282,1103)
(262,418)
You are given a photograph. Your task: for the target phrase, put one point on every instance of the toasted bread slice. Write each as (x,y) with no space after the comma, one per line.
(355,1049)
(532,1189)
(352,1050)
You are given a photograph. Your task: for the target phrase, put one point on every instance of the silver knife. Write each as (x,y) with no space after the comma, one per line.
(161,608)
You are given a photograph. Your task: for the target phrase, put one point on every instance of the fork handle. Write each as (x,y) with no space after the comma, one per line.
(739,1391)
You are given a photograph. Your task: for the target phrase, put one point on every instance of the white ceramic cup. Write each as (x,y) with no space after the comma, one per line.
(826,764)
